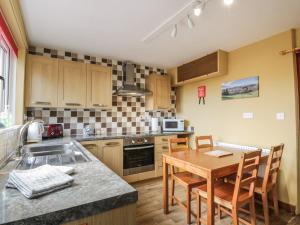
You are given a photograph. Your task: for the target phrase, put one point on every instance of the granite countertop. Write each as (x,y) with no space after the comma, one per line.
(96,189)
(126,135)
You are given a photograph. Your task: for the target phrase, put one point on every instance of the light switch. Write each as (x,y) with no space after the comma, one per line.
(280,116)
(248,115)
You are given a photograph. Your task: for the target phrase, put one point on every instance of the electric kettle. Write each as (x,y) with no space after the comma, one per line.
(35,131)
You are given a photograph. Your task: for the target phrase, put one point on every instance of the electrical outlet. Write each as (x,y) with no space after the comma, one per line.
(248,115)
(280,116)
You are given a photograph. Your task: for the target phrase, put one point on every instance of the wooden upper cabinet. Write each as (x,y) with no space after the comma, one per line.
(72,84)
(160,85)
(99,86)
(214,64)
(41,81)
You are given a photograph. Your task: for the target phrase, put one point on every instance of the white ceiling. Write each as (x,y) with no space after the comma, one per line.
(114,28)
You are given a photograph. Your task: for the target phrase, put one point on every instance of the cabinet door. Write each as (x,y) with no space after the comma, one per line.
(99,86)
(163,92)
(94,148)
(41,81)
(72,84)
(113,155)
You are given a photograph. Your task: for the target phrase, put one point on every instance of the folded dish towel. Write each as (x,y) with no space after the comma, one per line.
(39,181)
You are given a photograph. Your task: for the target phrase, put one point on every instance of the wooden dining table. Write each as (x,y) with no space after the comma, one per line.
(206,166)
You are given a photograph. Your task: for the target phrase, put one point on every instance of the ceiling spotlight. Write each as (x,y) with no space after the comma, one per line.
(174,31)
(190,22)
(198,9)
(228,2)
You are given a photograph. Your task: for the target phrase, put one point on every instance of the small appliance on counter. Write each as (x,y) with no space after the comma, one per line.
(190,128)
(173,125)
(53,131)
(35,132)
(154,125)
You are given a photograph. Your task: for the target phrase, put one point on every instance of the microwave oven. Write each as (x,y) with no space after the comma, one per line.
(173,125)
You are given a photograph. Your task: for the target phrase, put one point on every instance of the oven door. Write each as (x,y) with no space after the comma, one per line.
(138,159)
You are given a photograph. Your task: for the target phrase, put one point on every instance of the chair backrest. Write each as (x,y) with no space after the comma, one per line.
(178,144)
(272,168)
(208,141)
(246,175)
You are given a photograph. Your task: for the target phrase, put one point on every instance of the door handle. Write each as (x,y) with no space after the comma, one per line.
(41,103)
(73,104)
(112,144)
(99,105)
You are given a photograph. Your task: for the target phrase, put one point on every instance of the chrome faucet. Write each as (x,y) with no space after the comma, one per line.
(20,140)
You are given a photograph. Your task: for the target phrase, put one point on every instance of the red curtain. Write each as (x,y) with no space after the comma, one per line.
(5,33)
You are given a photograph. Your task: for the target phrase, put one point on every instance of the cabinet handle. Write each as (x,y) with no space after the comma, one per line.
(165,147)
(99,105)
(41,103)
(73,104)
(164,139)
(111,144)
(164,108)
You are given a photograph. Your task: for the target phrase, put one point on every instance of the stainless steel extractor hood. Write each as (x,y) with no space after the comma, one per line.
(129,88)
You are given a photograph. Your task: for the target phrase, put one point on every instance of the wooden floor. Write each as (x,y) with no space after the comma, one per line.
(150,208)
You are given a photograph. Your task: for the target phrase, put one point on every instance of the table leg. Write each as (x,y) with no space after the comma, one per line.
(210,199)
(165,186)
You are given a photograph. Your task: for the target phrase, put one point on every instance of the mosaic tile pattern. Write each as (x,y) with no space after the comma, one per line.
(128,114)
(8,142)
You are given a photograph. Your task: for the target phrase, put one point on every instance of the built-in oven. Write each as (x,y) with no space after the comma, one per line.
(138,155)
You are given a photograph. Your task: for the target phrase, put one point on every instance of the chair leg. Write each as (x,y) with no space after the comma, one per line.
(275,201)
(266,208)
(198,219)
(219,213)
(172,191)
(252,212)
(235,218)
(188,205)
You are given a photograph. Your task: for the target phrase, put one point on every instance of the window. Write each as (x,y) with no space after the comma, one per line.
(4,68)
(8,56)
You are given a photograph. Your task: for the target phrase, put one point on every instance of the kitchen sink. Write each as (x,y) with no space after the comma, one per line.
(54,154)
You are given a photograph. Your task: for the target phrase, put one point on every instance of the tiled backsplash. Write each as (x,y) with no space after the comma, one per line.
(8,141)
(128,114)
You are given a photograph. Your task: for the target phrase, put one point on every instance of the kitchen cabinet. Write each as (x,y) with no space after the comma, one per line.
(160,85)
(112,151)
(211,65)
(125,215)
(161,147)
(71,84)
(94,148)
(41,81)
(99,86)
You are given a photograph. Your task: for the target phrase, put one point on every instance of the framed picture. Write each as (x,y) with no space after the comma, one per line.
(243,88)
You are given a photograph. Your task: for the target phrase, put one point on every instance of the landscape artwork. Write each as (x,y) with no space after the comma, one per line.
(243,88)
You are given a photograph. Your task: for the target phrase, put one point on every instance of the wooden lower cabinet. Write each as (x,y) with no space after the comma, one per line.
(110,152)
(125,215)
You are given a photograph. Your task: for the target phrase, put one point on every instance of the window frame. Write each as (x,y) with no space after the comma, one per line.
(5,73)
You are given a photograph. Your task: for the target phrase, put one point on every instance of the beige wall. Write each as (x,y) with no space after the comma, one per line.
(223,119)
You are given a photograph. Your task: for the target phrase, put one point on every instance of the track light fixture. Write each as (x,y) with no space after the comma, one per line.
(199,7)
(190,22)
(174,31)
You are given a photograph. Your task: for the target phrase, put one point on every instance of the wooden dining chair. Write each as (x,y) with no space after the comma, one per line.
(204,141)
(231,197)
(185,179)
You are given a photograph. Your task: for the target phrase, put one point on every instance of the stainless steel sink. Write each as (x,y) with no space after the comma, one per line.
(55,154)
